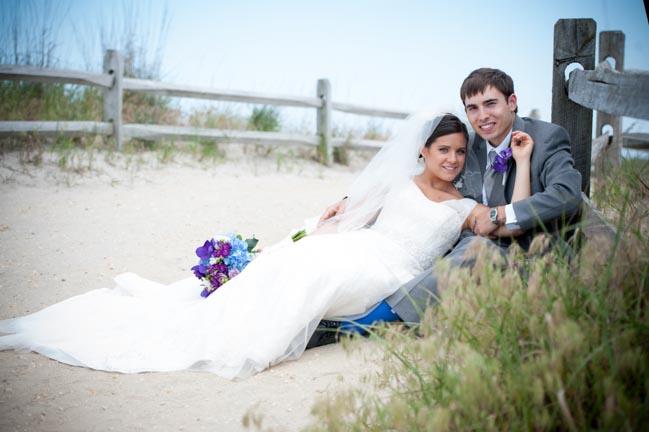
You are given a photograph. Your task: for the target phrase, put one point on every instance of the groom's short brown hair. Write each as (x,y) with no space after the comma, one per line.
(480,79)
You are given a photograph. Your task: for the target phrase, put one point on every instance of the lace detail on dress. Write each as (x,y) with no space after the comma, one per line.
(423,228)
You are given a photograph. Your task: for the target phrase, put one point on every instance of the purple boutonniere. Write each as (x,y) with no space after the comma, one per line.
(500,161)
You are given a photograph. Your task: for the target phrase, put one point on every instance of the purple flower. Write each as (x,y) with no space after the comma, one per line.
(199,271)
(222,249)
(500,161)
(233,272)
(217,279)
(204,252)
(218,267)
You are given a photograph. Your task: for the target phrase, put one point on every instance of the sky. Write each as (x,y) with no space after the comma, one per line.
(406,55)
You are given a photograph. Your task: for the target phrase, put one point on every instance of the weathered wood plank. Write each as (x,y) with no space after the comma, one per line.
(611,45)
(368,111)
(55,128)
(323,121)
(181,90)
(358,144)
(53,76)
(155,132)
(113,96)
(636,140)
(616,93)
(574,42)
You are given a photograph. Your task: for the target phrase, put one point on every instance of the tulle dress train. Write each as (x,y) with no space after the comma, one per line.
(261,317)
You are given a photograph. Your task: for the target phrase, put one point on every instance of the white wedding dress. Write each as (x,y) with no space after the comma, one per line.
(261,317)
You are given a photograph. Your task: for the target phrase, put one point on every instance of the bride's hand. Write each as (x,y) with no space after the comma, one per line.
(333,210)
(522,145)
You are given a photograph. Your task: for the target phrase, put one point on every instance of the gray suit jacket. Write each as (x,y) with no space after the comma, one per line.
(555,182)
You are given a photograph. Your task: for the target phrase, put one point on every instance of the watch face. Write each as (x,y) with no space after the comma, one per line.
(493,215)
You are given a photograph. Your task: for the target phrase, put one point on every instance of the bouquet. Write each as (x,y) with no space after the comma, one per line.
(221,259)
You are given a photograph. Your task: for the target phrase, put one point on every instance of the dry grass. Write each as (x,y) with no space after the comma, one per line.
(549,340)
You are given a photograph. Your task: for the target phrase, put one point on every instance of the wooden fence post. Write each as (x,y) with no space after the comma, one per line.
(324,122)
(574,42)
(611,44)
(113,96)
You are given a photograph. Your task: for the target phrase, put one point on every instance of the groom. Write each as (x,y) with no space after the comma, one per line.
(491,106)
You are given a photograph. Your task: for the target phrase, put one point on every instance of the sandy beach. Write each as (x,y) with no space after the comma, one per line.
(65,231)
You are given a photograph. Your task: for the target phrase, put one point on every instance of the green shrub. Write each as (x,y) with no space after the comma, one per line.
(37,101)
(265,119)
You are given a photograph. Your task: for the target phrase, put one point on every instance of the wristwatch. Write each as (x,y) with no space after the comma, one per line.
(493,215)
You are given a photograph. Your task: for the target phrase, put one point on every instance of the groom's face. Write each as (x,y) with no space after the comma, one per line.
(491,114)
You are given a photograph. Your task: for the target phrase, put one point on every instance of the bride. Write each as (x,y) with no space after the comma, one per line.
(402,212)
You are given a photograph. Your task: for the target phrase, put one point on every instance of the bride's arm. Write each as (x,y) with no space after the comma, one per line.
(522,145)
(329,226)
(328,222)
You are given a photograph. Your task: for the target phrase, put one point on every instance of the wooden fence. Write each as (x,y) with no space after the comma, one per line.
(114,84)
(607,89)
(612,92)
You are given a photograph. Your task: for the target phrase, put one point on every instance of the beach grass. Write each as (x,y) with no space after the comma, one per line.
(550,339)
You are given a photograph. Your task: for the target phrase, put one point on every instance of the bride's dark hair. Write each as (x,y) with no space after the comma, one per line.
(449,124)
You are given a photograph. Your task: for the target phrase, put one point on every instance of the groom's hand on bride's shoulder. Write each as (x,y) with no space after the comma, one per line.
(333,210)
(481,223)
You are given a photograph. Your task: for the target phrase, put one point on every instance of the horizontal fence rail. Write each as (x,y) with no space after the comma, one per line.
(54,76)
(357,144)
(617,93)
(636,140)
(361,110)
(114,84)
(55,128)
(179,90)
(156,132)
